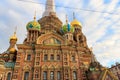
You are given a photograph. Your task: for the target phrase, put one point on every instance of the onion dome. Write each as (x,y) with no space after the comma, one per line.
(33,25)
(67,28)
(14,37)
(76,23)
(12,50)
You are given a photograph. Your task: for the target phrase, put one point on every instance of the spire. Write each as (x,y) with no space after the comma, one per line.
(73,15)
(35,16)
(50,8)
(14,37)
(66,19)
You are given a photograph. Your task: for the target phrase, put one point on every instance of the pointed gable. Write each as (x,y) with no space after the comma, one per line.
(107,75)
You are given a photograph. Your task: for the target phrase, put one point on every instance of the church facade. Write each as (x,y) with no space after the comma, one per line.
(51,51)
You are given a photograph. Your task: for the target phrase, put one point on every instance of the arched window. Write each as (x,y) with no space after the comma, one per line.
(45,75)
(58,57)
(51,75)
(52,57)
(26,76)
(28,57)
(73,58)
(74,75)
(45,57)
(58,75)
(9,76)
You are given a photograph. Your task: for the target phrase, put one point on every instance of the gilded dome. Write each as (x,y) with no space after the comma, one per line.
(12,50)
(67,28)
(14,37)
(76,22)
(33,25)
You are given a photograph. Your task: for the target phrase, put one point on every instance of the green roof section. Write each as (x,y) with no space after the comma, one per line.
(33,25)
(9,64)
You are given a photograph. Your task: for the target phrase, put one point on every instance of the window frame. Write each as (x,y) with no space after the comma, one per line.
(52,57)
(9,75)
(74,75)
(45,57)
(44,75)
(26,75)
(28,58)
(58,75)
(73,58)
(52,75)
(58,57)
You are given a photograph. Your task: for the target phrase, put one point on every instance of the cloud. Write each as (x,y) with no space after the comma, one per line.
(18,14)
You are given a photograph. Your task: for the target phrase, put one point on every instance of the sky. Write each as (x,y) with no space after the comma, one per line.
(101,29)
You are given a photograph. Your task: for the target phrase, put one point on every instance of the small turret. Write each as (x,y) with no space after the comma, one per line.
(68,31)
(67,28)
(76,24)
(12,50)
(33,28)
(13,40)
(33,25)
(14,37)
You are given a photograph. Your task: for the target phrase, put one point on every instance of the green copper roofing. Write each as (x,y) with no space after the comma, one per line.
(33,25)
(9,64)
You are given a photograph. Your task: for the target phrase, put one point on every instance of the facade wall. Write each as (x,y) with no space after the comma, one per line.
(116,70)
(4,73)
(70,61)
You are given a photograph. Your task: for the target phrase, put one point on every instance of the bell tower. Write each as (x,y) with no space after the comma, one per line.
(50,8)
(49,21)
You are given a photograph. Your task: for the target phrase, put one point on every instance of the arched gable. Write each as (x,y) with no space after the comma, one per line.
(74,67)
(50,39)
(45,67)
(58,66)
(51,67)
(27,68)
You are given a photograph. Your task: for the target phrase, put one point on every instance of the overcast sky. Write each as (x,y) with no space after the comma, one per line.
(101,29)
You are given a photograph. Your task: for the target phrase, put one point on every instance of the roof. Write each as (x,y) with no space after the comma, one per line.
(114,66)
(106,72)
(76,22)
(9,64)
